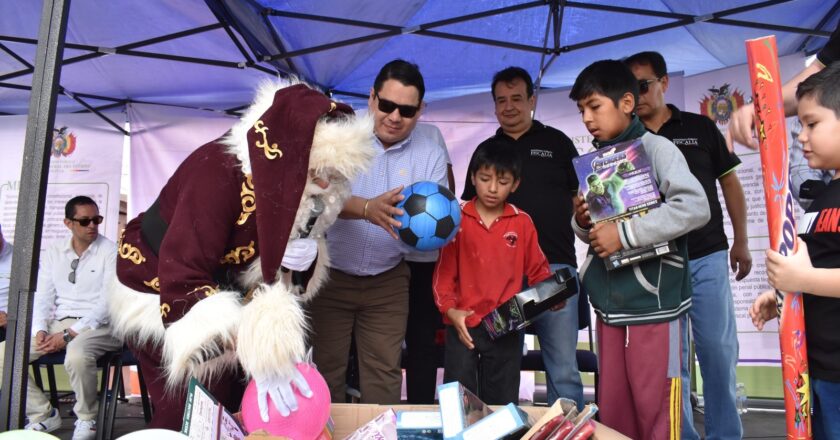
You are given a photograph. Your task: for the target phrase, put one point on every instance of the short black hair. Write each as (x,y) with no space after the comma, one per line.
(70,207)
(502,157)
(403,71)
(824,87)
(649,58)
(610,78)
(509,74)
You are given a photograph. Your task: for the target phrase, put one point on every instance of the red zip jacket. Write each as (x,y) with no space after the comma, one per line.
(484,266)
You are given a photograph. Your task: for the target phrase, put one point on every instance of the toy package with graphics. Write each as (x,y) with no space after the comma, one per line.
(519,311)
(617,183)
(459,409)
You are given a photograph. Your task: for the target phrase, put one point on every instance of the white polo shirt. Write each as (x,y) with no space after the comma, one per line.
(57,298)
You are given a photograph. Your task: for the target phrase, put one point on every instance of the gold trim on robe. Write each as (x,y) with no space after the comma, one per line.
(239,255)
(249,204)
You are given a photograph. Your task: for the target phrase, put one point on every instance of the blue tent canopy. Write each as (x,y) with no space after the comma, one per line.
(209,54)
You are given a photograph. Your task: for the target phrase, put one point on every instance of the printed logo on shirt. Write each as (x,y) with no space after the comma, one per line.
(511,238)
(828,221)
(537,152)
(805,224)
(690,142)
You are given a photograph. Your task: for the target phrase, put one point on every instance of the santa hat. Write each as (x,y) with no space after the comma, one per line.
(279,146)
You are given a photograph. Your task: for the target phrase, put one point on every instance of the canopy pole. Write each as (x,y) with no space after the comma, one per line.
(30,211)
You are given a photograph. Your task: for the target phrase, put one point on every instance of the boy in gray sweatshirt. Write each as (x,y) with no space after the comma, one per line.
(638,306)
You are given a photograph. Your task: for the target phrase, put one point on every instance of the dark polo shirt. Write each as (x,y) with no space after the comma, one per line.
(705,150)
(547,186)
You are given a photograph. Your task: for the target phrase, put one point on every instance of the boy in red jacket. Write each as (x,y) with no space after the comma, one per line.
(481,269)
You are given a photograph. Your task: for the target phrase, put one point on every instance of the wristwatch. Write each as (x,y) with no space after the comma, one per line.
(67,336)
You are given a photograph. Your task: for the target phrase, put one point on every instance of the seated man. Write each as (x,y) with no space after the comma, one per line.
(70,314)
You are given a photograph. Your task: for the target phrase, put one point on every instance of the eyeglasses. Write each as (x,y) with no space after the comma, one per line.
(644,85)
(86,221)
(386,106)
(73,265)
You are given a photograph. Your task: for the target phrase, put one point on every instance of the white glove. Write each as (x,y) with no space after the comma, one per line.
(300,254)
(281,393)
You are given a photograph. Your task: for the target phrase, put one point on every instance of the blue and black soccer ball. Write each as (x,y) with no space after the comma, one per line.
(431,216)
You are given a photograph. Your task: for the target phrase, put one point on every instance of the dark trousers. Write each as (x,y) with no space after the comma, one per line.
(168,404)
(424,321)
(490,370)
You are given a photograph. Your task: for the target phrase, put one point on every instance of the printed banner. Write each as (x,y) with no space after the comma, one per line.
(161,138)
(86,159)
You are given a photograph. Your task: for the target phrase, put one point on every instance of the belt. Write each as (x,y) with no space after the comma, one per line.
(70,317)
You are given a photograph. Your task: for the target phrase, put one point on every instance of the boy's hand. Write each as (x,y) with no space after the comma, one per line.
(459,321)
(604,239)
(582,212)
(789,273)
(763,309)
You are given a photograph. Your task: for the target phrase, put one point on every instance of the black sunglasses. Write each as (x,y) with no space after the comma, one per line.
(644,85)
(386,106)
(86,221)
(73,265)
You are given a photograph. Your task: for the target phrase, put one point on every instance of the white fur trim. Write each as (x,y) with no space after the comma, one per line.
(252,277)
(272,336)
(135,316)
(343,145)
(206,332)
(320,275)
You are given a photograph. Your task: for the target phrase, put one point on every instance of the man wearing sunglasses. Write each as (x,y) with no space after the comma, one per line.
(367,296)
(70,314)
(712,312)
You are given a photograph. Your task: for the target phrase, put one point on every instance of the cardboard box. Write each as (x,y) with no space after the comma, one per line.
(348,417)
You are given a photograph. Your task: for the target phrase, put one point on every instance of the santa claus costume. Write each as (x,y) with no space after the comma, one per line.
(200,289)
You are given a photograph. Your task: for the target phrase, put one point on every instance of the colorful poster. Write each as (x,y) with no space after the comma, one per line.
(617,181)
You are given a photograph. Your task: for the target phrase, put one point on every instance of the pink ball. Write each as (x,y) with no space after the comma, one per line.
(304,424)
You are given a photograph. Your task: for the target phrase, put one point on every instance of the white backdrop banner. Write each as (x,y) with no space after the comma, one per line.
(86,159)
(161,138)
